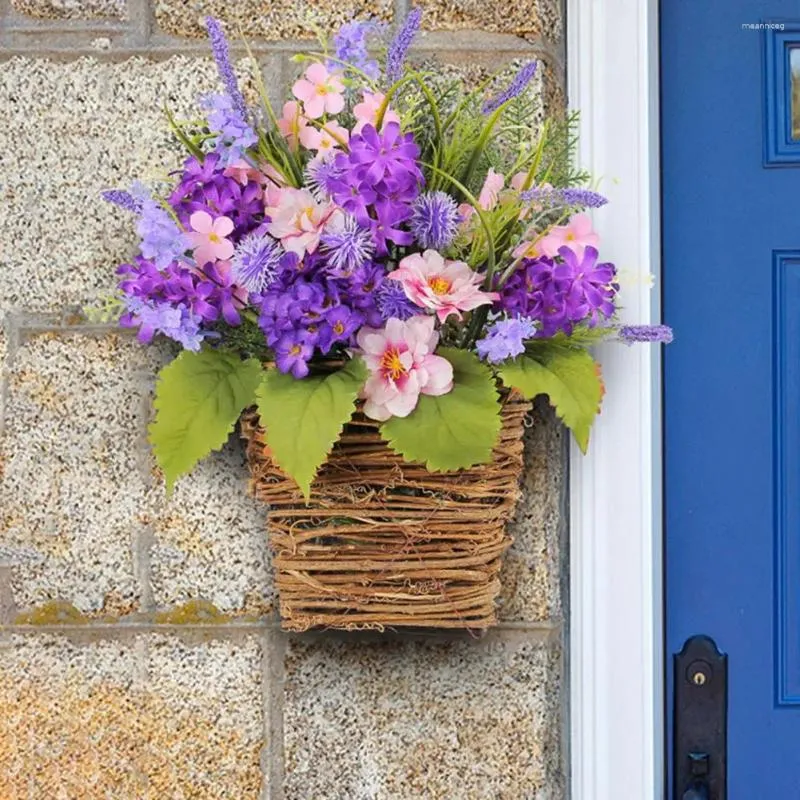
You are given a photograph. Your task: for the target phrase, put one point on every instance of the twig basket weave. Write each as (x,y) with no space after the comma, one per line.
(384,543)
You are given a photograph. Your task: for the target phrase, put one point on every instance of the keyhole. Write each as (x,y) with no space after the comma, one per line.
(699,672)
(698,679)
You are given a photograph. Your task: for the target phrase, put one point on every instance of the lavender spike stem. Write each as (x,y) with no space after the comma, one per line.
(398,49)
(646,333)
(219,47)
(552,197)
(123,199)
(514,89)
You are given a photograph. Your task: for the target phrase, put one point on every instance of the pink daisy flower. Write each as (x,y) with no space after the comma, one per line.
(320,91)
(208,237)
(577,235)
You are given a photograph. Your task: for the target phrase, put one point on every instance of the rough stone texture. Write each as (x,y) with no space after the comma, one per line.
(531,575)
(150,717)
(211,540)
(394,720)
(71,9)
(71,484)
(528,18)
(110,129)
(269,19)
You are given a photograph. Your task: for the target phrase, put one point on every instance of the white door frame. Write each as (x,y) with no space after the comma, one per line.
(616,604)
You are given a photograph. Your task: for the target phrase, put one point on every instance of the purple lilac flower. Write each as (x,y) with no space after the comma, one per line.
(219,47)
(379,175)
(256,261)
(398,49)
(349,248)
(645,333)
(559,294)
(505,339)
(233,135)
(351,46)
(550,197)
(205,187)
(162,241)
(434,220)
(122,199)
(392,302)
(514,89)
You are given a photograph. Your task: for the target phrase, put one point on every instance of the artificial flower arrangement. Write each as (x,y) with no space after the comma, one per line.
(388,258)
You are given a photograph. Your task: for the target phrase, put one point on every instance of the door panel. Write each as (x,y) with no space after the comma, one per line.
(731,228)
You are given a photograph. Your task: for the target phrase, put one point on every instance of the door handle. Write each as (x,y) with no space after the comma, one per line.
(700,721)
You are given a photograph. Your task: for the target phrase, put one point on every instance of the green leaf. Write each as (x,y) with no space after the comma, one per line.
(303,418)
(455,430)
(199,397)
(569,377)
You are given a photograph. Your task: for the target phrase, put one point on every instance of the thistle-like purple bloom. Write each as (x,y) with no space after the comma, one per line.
(233,135)
(514,89)
(392,302)
(434,220)
(219,47)
(256,262)
(398,49)
(550,197)
(505,339)
(122,199)
(349,248)
(645,333)
(320,175)
(350,43)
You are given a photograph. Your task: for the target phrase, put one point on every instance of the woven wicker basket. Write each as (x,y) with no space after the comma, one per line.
(384,543)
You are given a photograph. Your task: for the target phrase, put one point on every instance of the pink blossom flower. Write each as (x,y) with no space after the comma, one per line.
(243,173)
(299,221)
(324,139)
(292,123)
(518,181)
(402,366)
(208,237)
(530,249)
(577,235)
(320,91)
(366,112)
(446,287)
(490,192)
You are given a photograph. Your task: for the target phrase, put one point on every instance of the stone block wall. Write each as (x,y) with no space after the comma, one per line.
(140,655)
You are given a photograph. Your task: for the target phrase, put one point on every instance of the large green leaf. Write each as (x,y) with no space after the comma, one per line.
(303,418)
(455,430)
(569,377)
(199,397)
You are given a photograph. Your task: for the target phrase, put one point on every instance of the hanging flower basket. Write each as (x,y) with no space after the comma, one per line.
(388,270)
(383,543)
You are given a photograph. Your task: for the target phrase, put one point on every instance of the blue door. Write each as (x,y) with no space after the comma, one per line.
(731,226)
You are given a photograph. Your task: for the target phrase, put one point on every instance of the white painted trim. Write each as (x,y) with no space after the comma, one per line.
(616,674)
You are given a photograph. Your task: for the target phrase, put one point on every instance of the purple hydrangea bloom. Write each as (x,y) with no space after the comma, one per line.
(256,261)
(645,333)
(233,135)
(176,322)
(349,248)
(293,351)
(205,187)
(505,339)
(434,220)
(514,89)
(219,47)
(398,49)
(559,294)
(392,302)
(550,197)
(339,325)
(350,43)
